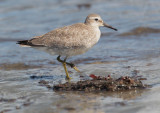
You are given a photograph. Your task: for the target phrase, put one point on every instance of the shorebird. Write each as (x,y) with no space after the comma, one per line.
(69,40)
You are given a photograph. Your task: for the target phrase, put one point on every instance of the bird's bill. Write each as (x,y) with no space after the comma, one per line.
(106,25)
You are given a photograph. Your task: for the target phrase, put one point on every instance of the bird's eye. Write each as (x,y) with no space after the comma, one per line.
(96,19)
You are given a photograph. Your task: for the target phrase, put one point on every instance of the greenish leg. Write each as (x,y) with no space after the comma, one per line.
(65,68)
(70,64)
(64,65)
(73,66)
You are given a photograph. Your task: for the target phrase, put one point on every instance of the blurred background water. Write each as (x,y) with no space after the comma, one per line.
(133,50)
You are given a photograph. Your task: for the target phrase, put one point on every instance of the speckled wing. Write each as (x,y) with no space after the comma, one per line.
(76,35)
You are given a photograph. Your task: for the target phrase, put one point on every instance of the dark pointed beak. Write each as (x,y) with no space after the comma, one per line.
(106,25)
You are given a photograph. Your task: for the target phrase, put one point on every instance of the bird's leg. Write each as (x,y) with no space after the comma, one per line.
(64,65)
(65,68)
(58,58)
(73,66)
(70,64)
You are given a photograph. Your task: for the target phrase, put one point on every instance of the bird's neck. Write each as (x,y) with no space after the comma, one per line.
(91,24)
(97,34)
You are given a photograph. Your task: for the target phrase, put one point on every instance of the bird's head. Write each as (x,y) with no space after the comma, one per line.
(96,20)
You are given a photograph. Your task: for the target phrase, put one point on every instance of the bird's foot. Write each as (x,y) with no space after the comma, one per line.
(68,78)
(65,68)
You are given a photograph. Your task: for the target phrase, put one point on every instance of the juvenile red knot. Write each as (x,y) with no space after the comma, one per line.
(69,40)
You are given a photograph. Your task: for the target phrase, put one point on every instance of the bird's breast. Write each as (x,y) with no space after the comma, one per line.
(96,33)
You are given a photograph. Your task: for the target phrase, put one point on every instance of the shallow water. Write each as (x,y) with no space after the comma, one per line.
(133,50)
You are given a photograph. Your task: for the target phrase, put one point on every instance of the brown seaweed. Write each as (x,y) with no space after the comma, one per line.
(98,83)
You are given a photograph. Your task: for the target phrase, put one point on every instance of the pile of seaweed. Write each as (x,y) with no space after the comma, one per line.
(98,83)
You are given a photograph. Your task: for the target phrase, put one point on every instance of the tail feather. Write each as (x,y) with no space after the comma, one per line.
(28,43)
(24,43)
